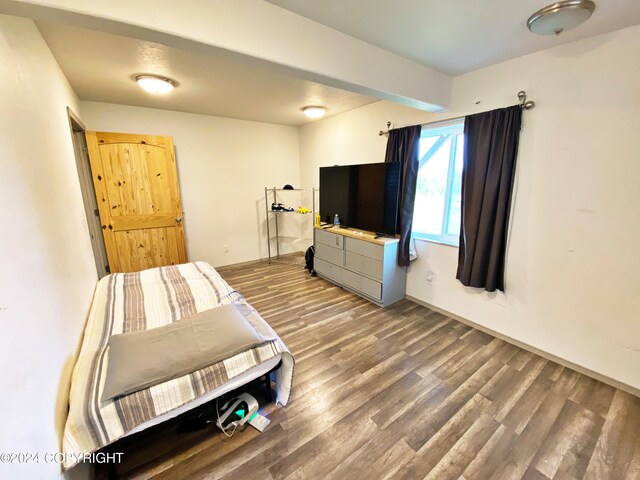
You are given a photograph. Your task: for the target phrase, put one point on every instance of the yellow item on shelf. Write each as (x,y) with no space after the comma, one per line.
(303,210)
(317,219)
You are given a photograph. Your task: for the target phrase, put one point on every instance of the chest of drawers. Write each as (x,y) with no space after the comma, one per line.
(361,263)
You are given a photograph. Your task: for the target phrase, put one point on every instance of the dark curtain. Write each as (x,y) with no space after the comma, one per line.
(403,146)
(490,150)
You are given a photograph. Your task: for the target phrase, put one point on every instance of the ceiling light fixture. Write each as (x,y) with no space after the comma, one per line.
(560,17)
(314,111)
(155,84)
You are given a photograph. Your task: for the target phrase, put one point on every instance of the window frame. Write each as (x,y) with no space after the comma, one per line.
(451,129)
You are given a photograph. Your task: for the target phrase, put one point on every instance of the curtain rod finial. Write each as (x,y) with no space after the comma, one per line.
(527,105)
(382,132)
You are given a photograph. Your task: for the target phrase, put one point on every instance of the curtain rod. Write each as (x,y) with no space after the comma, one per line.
(522,96)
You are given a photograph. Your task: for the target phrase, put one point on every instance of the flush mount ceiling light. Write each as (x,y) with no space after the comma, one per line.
(314,111)
(155,84)
(560,17)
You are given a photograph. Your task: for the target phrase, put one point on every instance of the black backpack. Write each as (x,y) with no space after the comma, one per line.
(308,259)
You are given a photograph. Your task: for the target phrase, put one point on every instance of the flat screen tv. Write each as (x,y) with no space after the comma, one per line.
(365,197)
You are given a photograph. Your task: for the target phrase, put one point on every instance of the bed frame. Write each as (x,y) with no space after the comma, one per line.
(260,387)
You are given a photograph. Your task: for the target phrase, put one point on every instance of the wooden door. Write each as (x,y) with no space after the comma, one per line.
(136,185)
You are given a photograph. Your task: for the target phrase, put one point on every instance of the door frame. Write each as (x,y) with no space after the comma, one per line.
(79,141)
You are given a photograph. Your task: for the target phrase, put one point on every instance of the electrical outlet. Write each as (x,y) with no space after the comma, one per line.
(226,248)
(430,276)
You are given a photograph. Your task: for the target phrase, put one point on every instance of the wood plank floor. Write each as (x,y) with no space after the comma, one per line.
(402,393)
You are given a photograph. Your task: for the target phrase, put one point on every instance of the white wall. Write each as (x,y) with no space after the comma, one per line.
(351,137)
(223,167)
(573,266)
(47,272)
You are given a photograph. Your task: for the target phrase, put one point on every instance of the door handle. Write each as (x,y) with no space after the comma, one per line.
(178,219)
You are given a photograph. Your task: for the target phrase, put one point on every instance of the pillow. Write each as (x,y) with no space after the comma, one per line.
(138,360)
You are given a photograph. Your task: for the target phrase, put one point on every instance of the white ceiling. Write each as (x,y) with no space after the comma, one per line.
(455,36)
(100,67)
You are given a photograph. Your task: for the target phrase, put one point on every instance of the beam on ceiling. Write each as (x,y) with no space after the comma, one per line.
(258,32)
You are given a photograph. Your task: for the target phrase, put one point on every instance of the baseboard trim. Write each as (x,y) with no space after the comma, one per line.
(259,260)
(240,264)
(525,346)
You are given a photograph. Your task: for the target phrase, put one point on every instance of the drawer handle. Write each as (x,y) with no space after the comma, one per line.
(337,242)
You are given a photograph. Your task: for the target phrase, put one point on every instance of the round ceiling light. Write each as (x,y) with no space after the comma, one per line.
(560,17)
(155,84)
(314,111)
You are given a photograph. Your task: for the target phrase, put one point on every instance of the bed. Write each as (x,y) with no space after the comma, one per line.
(130,302)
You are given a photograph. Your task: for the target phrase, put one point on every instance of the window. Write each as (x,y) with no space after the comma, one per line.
(436,213)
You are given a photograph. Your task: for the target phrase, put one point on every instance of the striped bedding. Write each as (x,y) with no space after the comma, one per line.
(129,302)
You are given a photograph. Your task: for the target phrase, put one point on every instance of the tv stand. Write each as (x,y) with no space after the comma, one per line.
(361,262)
